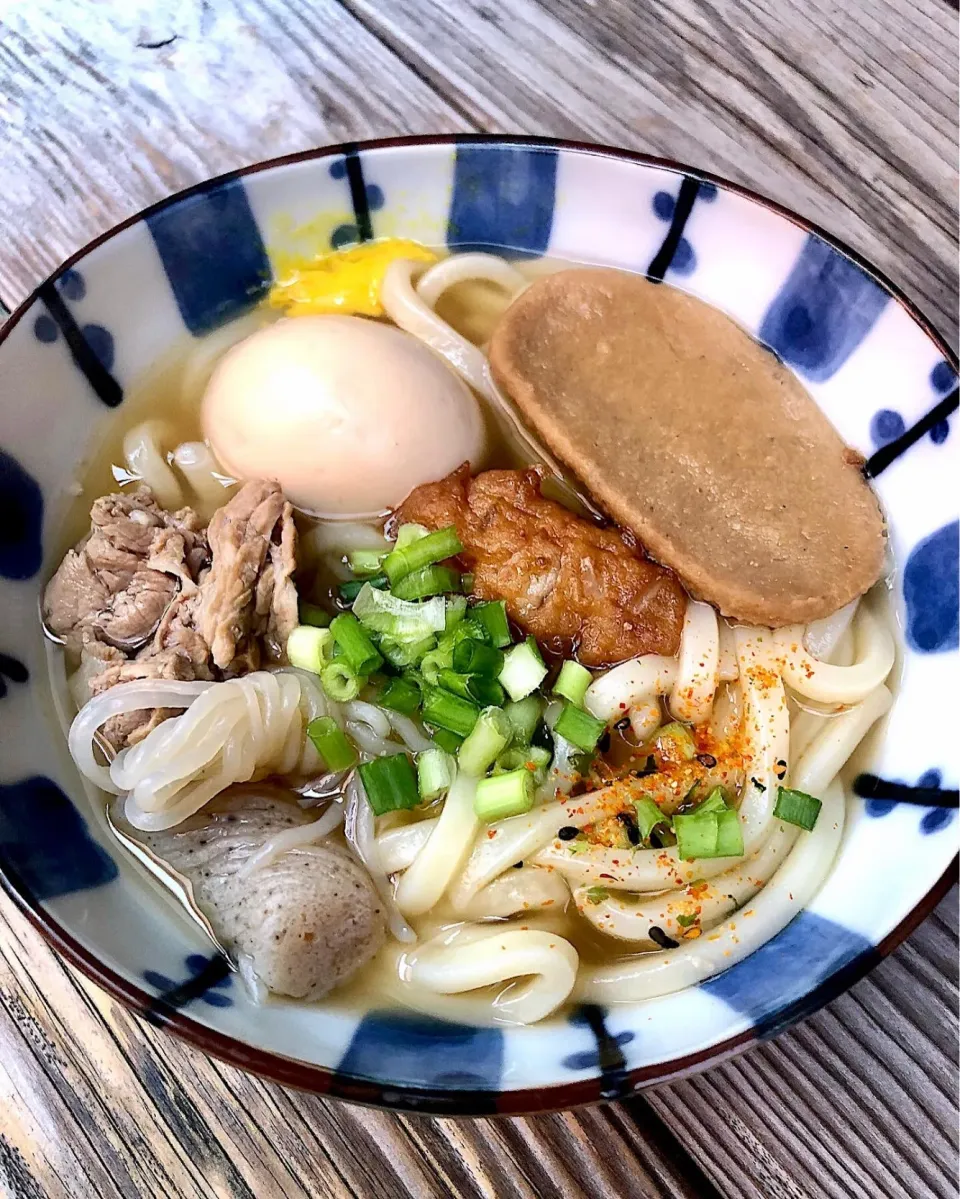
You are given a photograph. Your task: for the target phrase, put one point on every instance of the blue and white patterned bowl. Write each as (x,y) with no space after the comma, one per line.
(202,258)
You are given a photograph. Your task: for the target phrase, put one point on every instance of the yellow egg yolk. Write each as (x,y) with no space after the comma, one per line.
(345,281)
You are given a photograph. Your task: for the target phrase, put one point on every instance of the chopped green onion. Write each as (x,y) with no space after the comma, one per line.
(572,682)
(525,757)
(696,835)
(313,614)
(504,795)
(682,738)
(523,669)
(436,770)
(473,657)
(493,617)
(434,547)
(340,682)
(390,783)
(467,581)
(796,807)
(448,711)
(354,641)
(434,662)
(331,743)
(729,834)
(487,692)
(310,648)
(488,738)
(447,741)
(596,894)
(649,816)
(365,562)
(579,727)
(474,628)
(456,610)
(457,684)
(408,534)
(406,653)
(349,591)
(405,621)
(400,695)
(716,801)
(429,580)
(524,715)
(684,920)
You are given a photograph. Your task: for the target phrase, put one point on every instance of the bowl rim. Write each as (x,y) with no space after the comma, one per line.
(611,1082)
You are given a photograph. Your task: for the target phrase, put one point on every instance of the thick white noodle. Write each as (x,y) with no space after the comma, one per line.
(332,539)
(406,309)
(483,955)
(640,680)
(429,875)
(359,829)
(368,714)
(399,846)
(458,268)
(829,684)
(691,698)
(644,721)
(789,891)
(412,736)
(829,750)
(293,838)
(727,669)
(195,461)
(526,890)
(145,460)
(821,637)
(632,921)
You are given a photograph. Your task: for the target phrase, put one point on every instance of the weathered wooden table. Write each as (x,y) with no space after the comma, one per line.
(843,109)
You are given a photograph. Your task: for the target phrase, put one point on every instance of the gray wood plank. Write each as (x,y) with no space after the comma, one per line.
(843,110)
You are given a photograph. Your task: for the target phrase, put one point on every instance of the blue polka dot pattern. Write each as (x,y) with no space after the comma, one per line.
(344,235)
(338,169)
(936,819)
(45,847)
(71,285)
(942,377)
(684,259)
(930,592)
(11,669)
(21,520)
(45,329)
(886,426)
(375,197)
(100,340)
(708,191)
(823,311)
(663,205)
(940,432)
(879,807)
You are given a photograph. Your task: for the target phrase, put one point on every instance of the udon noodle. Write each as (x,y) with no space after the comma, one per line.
(499,921)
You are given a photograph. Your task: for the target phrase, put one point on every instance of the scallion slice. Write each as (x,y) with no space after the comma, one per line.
(796,807)
(473,657)
(436,770)
(455,612)
(390,783)
(504,795)
(493,617)
(572,682)
(340,682)
(676,740)
(524,757)
(349,591)
(354,641)
(579,727)
(523,669)
(486,740)
(365,562)
(331,743)
(455,683)
(524,715)
(400,695)
(649,816)
(451,712)
(696,835)
(401,619)
(487,692)
(434,662)
(310,648)
(729,834)
(406,653)
(446,740)
(429,580)
(716,801)
(409,533)
(313,614)
(434,547)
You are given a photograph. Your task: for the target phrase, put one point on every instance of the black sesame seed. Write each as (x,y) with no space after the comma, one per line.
(659,937)
(568,832)
(707,760)
(629,822)
(649,767)
(518,865)
(603,744)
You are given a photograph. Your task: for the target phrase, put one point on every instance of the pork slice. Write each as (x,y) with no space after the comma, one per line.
(131,727)
(308,919)
(241,537)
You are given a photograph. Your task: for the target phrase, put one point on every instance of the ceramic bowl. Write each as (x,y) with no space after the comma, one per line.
(202,258)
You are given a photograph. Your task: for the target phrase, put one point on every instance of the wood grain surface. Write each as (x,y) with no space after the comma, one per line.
(843,109)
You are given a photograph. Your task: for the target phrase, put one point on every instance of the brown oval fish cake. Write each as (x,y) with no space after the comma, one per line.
(687,431)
